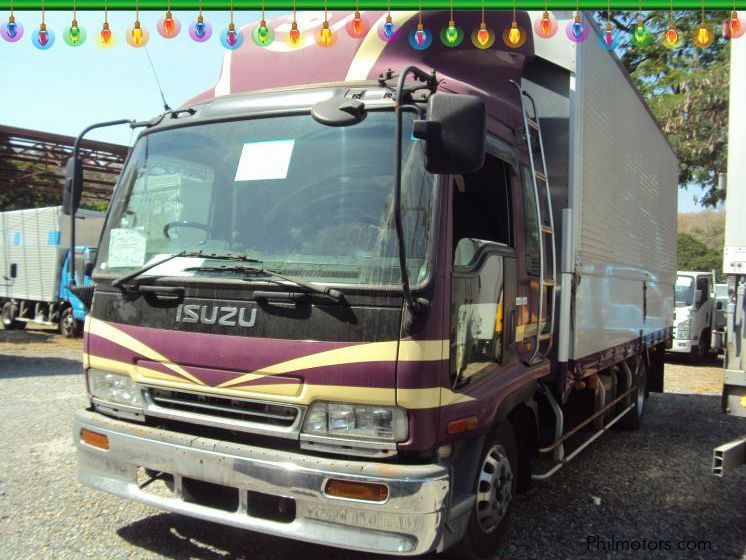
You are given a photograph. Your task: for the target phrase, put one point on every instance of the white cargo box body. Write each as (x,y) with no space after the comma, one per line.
(36,241)
(616,172)
(734,258)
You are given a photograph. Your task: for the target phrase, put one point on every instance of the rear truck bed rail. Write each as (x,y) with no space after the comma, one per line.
(409,521)
(729,457)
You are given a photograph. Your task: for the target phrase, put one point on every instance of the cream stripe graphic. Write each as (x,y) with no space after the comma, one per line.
(107,331)
(372,47)
(409,351)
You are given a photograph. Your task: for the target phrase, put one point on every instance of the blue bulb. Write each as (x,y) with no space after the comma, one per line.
(388,28)
(200,29)
(11,29)
(577,28)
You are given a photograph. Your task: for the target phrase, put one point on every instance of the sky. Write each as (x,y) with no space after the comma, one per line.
(64,89)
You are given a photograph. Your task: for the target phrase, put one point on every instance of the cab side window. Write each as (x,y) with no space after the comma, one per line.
(703,283)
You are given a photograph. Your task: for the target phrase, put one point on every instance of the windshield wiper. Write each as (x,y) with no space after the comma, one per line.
(188,253)
(242,269)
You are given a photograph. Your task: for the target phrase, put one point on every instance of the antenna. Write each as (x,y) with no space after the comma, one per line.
(157,81)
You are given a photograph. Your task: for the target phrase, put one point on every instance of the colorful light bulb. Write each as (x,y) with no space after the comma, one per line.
(12,30)
(608,37)
(703,36)
(200,30)
(514,36)
(672,36)
(357,24)
(105,37)
(451,32)
(483,36)
(231,38)
(451,35)
(294,34)
(420,35)
(734,26)
(326,33)
(388,27)
(43,38)
(576,30)
(74,35)
(168,26)
(420,38)
(641,36)
(262,34)
(546,23)
(137,36)
(546,27)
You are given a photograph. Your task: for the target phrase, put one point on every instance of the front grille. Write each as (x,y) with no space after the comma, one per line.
(225,412)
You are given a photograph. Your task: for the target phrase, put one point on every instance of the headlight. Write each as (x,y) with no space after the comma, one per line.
(114,388)
(386,423)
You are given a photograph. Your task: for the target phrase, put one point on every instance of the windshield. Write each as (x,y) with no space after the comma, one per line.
(684,291)
(309,200)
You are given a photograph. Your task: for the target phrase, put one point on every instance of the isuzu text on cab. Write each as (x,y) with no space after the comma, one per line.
(366,312)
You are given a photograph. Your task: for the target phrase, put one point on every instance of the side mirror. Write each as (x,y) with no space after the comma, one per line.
(14,270)
(454,133)
(699,297)
(73,186)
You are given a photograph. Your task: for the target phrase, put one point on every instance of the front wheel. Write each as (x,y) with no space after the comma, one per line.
(494,487)
(70,327)
(9,318)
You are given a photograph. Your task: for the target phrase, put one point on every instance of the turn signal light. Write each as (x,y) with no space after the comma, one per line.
(356,490)
(462,425)
(94,439)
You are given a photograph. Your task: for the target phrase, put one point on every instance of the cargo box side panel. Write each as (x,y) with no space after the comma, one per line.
(32,240)
(624,204)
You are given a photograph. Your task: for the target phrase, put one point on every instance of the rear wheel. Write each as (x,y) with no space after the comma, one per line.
(495,486)
(9,315)
(70,327)
(633,419)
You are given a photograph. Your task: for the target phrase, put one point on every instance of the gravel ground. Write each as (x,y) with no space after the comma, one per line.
(654,484)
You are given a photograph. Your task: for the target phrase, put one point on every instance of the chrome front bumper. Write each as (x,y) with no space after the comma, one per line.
(409,522)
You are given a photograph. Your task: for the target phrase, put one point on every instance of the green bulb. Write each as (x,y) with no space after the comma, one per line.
(263,33)
(451,34)
(75,34)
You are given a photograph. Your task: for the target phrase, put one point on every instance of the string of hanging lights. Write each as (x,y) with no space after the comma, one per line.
(358,25)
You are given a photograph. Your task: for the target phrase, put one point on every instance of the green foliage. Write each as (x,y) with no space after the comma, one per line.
(686,88)
(695,255)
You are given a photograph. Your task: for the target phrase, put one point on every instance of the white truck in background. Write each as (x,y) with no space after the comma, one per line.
(733,454)
(695,314)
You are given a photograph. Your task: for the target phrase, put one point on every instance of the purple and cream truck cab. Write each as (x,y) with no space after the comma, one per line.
(362,296)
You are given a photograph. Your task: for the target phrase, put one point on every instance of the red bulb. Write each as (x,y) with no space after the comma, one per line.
(43,37)
(420,37)
(357,24)
(672,36)
(294,34)
(735,26)
(106,36)
(168,24)
(608,37)
(483,36)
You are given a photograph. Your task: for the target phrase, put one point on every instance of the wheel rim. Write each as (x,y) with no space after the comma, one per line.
(494,489)
(68,323)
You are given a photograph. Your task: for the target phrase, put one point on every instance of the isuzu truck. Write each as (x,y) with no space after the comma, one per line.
(361,296)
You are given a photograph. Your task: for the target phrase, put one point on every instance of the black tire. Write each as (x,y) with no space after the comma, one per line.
(633,419)
(489,518)
(10,323)
(70,327)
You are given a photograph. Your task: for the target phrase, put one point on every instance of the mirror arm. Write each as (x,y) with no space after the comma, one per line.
(415,306)
(74,209)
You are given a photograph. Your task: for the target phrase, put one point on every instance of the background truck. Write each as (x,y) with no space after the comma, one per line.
(733,454)
(35,263)
(366,312)
(696,315)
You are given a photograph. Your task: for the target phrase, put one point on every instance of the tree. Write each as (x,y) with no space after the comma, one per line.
(686,88)
(695,255)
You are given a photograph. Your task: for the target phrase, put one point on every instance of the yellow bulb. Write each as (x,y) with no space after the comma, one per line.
(703,35)
(326,34)
(514,35)
(137,36)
